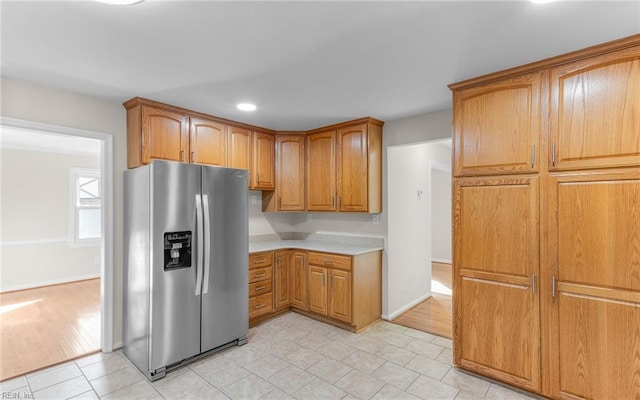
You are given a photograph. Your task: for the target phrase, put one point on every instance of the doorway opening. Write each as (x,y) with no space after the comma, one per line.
(56,245)
(430,308)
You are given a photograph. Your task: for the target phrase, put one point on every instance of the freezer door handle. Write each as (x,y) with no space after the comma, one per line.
(207,242)
(199,244)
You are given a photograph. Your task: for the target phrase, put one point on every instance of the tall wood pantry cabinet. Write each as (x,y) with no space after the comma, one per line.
(547,224)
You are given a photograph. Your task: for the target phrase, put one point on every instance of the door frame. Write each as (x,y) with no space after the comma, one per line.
(106,252)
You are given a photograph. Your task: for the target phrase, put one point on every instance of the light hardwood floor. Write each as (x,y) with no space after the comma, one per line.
(49,325)
(433,315)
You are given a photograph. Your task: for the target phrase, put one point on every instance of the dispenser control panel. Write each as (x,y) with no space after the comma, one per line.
(177,250)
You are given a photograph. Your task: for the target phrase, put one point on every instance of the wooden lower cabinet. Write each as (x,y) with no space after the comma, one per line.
(330,292)
(318,290)
(595,261)
(339,295)
(343,290)
(281,286)
(260,284)
(299,280)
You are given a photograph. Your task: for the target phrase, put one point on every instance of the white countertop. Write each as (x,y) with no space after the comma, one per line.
(326,247)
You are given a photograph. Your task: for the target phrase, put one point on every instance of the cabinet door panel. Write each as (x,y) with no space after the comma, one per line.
(496,127)
(599,347)
(340,295)
(595,112)
(239,150)
(318,290)
(165,135)
(299,281)
(352,168)
(594,252)
(598,230)
(208,142)
(264,148)
(497,225)
(496,308)
(499,324)
(321,172)
(290,173)
(281,297)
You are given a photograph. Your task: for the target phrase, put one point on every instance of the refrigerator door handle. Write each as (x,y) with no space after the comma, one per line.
(207,243)
(199,243)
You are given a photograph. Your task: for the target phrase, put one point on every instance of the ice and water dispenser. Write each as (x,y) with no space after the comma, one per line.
(177,250)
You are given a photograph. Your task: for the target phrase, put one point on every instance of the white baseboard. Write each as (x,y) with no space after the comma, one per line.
(441,260)
(406,307)
(117,346)
(48,283)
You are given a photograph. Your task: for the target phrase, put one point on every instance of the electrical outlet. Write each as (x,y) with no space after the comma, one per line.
(254,199)
(308,216)
(375,219)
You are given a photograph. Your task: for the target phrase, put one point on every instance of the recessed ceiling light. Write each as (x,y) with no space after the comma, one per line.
(120,2)
(246,107)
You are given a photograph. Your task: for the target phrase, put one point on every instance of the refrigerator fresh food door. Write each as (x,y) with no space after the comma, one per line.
(175,300)
(225,293)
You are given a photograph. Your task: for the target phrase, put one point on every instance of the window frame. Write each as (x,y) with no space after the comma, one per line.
(74,174)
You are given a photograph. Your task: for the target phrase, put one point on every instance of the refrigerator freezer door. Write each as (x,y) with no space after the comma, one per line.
(175,308)
(225,298)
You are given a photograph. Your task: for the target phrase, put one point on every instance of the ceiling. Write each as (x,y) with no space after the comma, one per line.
(305,64)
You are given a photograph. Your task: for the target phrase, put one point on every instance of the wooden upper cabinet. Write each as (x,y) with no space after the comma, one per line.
(239,149)
(344,168)
(496,127)
(352,168)
(594,244)
(264,149)
(290,172)
(155,133)
(208,142)
(496,253)
(360,167)
(595,112)
(321,171)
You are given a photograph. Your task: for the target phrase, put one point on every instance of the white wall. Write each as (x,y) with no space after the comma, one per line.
(266,223)
(35,225)
(33,102)
(409,236)
(441,213)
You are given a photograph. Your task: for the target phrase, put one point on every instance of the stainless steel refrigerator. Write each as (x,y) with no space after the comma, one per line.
(185,263)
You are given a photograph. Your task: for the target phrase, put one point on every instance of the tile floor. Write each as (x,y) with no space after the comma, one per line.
(288,357)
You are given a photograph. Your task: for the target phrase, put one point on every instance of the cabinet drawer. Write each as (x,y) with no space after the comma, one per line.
(330,260)
(260,274)
(260,287)
(260,260)
(259,305)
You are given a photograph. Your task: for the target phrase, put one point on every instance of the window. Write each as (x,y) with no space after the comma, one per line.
(86,202)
